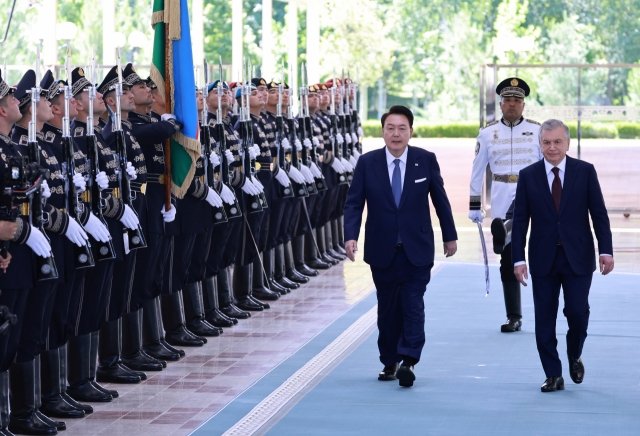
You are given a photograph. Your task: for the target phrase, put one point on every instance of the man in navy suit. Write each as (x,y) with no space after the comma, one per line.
(558,194)
(395,182)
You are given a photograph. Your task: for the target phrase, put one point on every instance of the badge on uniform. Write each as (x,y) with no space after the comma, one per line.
(495,134)
(78,132)
(527,133)
(477,148)
(49,137)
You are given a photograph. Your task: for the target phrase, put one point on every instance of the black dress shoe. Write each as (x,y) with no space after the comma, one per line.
(499,233)
(58,407)
(89,393)
(388,373)
(405,375)
(157,351)
(84,407)
(306,270)
(261,303)
(263,293)
(116,374)
(98,386)
(182,338)
(512,325)
(327,258)
(31,424)
(142,362)
(296,277)
(160,361)
(289,283)
(200,327)
(318,264)
(58,425)
(576,370)
(249,304)
(219,319)
(333,253)
(234,312)
(553,384)
(276,287)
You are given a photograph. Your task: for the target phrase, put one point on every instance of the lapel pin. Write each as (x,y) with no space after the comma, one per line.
(416,164)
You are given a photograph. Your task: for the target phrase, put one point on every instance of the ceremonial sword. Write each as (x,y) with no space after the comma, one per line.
(486,260)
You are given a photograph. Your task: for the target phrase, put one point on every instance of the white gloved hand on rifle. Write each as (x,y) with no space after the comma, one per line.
(75,233)
(249,188)
(315,141)
(285,145)
(214,159)
(129,218)
(102,180)
(80,182)
(340,138)
(283,178)
(306,173)
(307,143)
(337,166)
(230,157)
(257,183)
(213,198)
(131,171)
(315,170)
(354,138)
(46,192)
(37,241)
(295,175)
(347,166)
(226,195)
(97,229)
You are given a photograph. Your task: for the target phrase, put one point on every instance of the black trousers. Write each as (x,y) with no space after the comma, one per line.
(276,214)
(149,273)
(506,266)
(303,222)
(66,299)
(201,248)
(122,285)
(400,289)
(182,252)
(38,317)
(89,310)
(546,294)
(16,301)
(266,178)
(219,241)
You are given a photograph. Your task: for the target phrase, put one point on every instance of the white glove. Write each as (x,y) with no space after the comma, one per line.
(102,180)
(282,178)
(476,216)
(347,166)
(315,141)
(131,171)
(75,233)
(356,154)
(295,175)
(307,143)
(226,195)
(352,161)
(252,153)
(256,150)
(229,155)
(285,145)
(167,117)
(354,138)
(96,229)
(249,188)
(214,159)
(306,173)
(337,166)
(360,132)
(169,215)
(315,171)
(38,243)
(348,138)
(80,182)
(46,192)
(257,183)
(129,218)
(340,138)
(213,198)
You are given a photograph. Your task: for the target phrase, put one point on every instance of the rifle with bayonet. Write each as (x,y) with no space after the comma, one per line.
(280,159)
(305,130)
(135,237)
(320,182)
(93,194)
(299,189)
(254,202)
(219,214)
(345,120)
(82,256)
(333,130)
(45,266)
(353,91)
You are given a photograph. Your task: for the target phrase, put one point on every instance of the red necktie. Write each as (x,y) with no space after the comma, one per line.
(556,188)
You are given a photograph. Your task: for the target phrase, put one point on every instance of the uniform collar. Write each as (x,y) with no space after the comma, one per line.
(510,124)
(5,138)
(391,158)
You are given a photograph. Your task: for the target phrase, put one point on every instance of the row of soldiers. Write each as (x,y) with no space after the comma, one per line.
(105,281)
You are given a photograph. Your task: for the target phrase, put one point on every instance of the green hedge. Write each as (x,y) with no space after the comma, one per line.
(610,130)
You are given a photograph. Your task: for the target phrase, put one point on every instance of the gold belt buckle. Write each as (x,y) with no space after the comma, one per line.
(143,188)
(161,179)
(115,193)
(24,209)
(85,196)
(258,166)
(513,178)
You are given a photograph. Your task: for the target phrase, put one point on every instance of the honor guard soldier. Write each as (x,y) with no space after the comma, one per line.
(507,146)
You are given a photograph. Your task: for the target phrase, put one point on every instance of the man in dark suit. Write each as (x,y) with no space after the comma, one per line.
(395,182)
(558,194)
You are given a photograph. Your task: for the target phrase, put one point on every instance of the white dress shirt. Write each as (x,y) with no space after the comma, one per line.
(392,166)
(550,176)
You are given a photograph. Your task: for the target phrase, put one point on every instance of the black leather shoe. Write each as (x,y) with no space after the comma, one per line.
(499,233)
(576,370)
(318,264)
(284,281)
(512,325)
(219,319)
(116,374)
(31,424)
(157,351)
(57,407)
(201,328)
(405,376)
(84,407)
(87,392)
(340,250)
(58,425)
(328,259)
(263,293)
(306,271)
(296,277)
(553,384)
(388,373)
(261,303)
(142,362)
(234,312)
(277,287)
(333,253)
(249,304)
(98,386)
(182,338)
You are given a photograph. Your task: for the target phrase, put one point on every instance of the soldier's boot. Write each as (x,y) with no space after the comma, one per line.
(337,237)
(329,236)
(110,369)
(242,287)
(225,297)
(194,312)
(322,246)
(297,245)
(513,305)
(63,382)
(59,425)
(4,404)
(52,402)
(176,332)
(81,387)
(211,310)
(341,235)
(501,232)
(279,271)
(260,291)
(311,252)
(23,418)
(153,342)
(268,260)
(93,365)
(133,356)
(289,266)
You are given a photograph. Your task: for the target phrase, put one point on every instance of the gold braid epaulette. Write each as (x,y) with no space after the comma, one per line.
(490,124)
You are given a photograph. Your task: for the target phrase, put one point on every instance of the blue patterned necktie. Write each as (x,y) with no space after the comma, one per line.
(396,182)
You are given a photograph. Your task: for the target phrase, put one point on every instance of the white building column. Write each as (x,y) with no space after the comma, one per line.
(108,29)
(236,39)
(291,23)
(268,62)
(47,23)
(313,41)
(197,37)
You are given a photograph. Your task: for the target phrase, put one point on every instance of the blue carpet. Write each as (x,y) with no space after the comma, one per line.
(474,380)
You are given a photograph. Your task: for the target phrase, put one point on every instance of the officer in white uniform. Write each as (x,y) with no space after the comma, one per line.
(507,146)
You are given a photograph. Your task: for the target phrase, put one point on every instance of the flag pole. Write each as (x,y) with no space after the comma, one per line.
(167,143)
